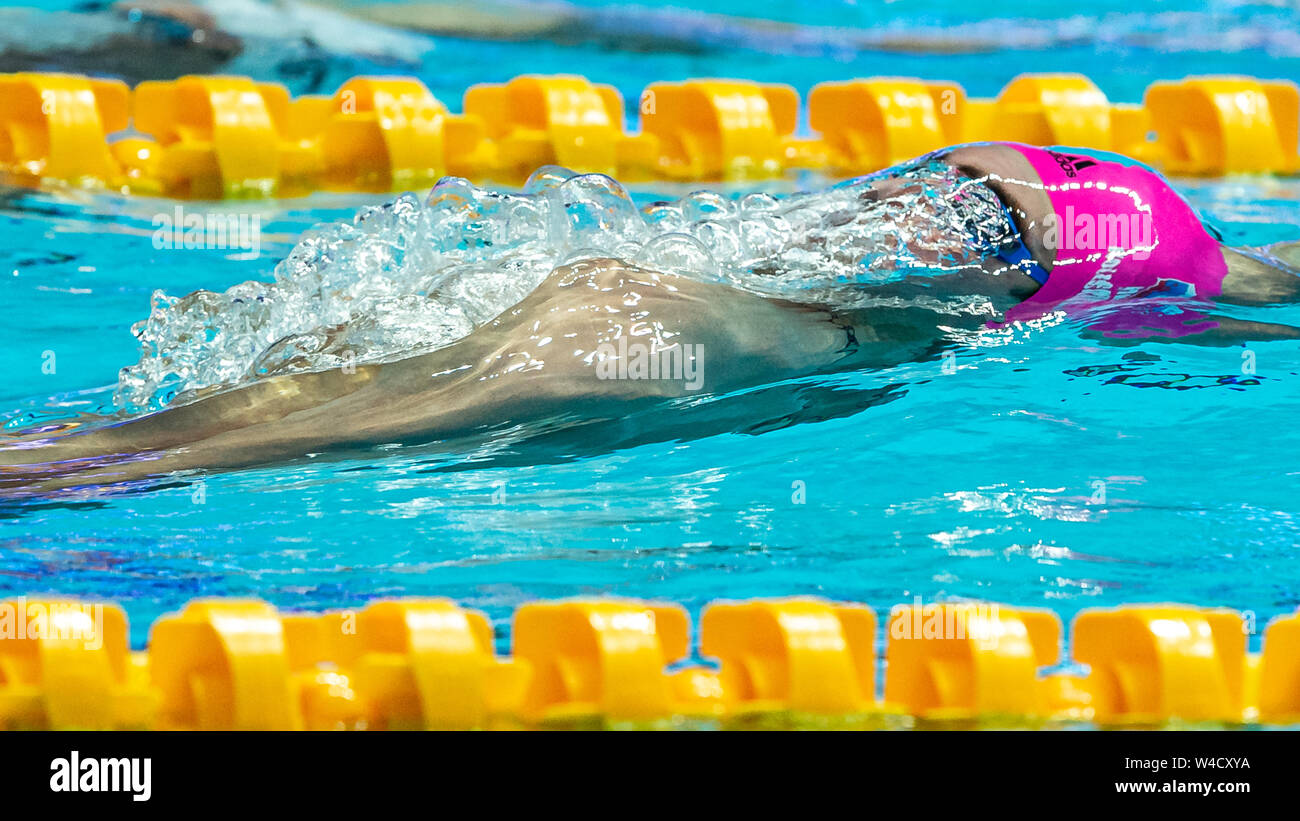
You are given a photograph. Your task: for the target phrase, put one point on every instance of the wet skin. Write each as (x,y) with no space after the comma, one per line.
(533,361)
(537,361)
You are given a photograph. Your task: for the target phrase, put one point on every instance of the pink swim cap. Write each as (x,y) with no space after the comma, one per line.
(1118,231)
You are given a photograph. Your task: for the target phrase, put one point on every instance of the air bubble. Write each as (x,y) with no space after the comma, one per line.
(758,203)
(547,178)
(665,216)
(598,207)
(677,253)
(720,239)
(702,205)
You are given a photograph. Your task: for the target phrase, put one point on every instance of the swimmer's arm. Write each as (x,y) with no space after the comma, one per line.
(1252,280)
(1225,332)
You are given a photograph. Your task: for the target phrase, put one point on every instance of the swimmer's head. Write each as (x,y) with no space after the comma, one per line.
(923,218)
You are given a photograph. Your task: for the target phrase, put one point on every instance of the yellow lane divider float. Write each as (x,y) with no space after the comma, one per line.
(215,137)
(430,664)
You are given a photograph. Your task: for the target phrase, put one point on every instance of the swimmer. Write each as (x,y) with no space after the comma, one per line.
(298,44)
(1016,236)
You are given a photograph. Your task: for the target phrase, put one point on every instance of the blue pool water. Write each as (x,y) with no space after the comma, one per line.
(1050,472)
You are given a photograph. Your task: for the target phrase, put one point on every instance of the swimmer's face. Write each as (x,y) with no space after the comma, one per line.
(917,218)
(904,202)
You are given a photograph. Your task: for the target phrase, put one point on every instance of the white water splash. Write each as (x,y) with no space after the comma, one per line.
(405,277)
